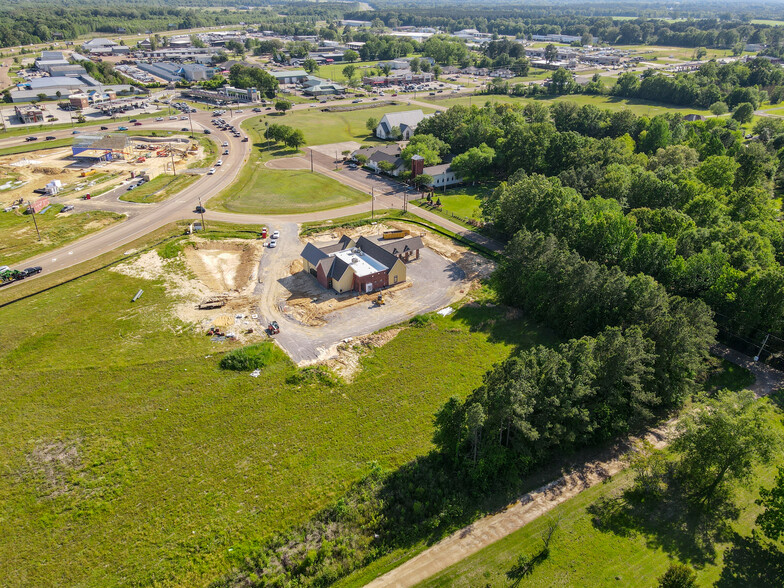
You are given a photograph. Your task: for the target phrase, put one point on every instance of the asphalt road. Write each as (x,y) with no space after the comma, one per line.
(145,218)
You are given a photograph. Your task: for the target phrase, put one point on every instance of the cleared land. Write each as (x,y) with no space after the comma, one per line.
(18,238)
(132,459)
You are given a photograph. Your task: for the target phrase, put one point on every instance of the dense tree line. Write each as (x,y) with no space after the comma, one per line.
(733,83)
(689,203)
(637,350)
(242,76)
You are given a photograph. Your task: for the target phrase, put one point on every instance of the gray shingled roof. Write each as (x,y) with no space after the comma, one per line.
(400,246)
(313,254)
(376,252)
(409,118)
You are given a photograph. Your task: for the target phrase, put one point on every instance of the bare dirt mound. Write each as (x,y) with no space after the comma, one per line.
(223,266)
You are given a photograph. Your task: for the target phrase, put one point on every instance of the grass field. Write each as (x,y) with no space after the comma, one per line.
(159,188)
(463,201)
(259,189)
(18,239)
(639,107)
(131,459)
(333,127)
(585,553)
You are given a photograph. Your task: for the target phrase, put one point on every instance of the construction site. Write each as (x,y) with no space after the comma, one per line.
(93,165)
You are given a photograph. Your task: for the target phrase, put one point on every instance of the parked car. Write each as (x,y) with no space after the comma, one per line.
(207,132)
(273,244)
(275,235)
(225,144)
(183,118)
(225,151)
(244,139)
(67,208)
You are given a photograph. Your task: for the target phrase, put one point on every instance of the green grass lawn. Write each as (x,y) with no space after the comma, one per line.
(159,188)
(36,146)
(584,553)
(334,71)
(259,189)
(18,239)
(130,459)
(639,107)
(463,201)
(333,127)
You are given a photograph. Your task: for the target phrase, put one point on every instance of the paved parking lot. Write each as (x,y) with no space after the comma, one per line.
(435,281)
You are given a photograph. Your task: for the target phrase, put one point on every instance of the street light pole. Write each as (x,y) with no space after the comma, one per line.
(190,120)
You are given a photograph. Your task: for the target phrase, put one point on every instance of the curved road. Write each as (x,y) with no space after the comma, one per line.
(145,218)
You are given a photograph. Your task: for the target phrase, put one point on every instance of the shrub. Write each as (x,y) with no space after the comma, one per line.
(421,320)
(251,357)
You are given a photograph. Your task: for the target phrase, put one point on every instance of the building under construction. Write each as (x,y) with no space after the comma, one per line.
(105,147)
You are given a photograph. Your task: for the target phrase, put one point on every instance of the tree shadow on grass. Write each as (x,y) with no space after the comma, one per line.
(670,524)
(750,561)
(504,325)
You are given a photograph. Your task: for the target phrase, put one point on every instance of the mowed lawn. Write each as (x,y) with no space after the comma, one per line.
(19,240)
(259,189)
(639,107)
(583,553)
(321,128)
(131,459)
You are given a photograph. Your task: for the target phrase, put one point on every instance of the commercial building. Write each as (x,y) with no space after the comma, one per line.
(317,87)
(30,114)
(405,121)
(225,94)
(67,70)
(294,76)
(361,266)
(356,23)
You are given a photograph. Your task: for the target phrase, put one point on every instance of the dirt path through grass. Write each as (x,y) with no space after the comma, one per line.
(531,506)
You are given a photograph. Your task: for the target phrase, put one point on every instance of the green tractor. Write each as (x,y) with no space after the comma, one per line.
(9,275)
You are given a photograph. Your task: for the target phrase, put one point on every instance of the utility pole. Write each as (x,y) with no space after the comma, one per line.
(174,169)
(190,120)
(35,222)
(201,208)
(759,353)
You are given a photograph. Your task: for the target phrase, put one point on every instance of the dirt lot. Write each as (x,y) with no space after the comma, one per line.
(22,173)
(221,271)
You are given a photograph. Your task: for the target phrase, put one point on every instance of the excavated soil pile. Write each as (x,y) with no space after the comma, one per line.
(223,266)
